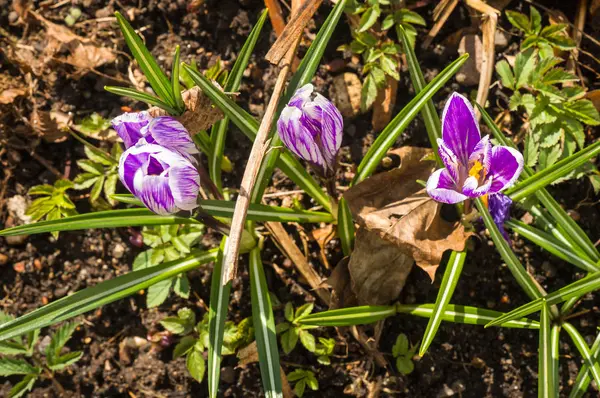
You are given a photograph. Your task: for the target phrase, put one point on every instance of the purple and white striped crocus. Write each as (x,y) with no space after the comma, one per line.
(474,167)
(311,127)
(165,131)
(165,181)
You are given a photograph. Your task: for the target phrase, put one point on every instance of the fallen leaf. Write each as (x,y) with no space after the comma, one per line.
(346,92)
(340,282)
(9,95)
(200,113)
(594,96)
(51,126)
(395,206)
(89,56)
(383,106)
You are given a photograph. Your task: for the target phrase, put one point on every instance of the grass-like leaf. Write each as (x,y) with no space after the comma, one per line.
(156,77)
(345,227)
(575,289)
(546,381)
(547,176)
(349,316)
(449,282)
(465,314)
(523,278)
(264,327)
(175,86)
(219,301)
(584,378)
(388,136)
(141,96)
(551,244)
(218,133)
(589,358)
(101,294)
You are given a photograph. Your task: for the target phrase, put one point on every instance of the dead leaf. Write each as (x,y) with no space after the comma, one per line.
(397,208)
(594,96)
(384,104)
(9,95)
(340,281)
(378,269)
(200,113)
(89,56)
(346,92)
(51,126)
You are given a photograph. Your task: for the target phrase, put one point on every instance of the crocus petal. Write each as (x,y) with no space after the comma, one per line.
(482,152)
(499,207)
(506,165)
(129,125)
(332,127)
(184,182)
(450,161)
(156,195)
(472,189)
(460,130)
(298,138)
(441,188)
(170,133)
(301,96)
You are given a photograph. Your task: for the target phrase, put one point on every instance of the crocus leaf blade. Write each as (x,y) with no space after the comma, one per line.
(545,362)
(141,96)
(349,316)
(588,358)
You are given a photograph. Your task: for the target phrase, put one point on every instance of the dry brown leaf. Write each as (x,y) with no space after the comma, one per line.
(51,126)
(340,281)
(200,113)
(384,104)
(89,56)
(397,208)
(378,269)
(594,96)
(346,92)
(9,95)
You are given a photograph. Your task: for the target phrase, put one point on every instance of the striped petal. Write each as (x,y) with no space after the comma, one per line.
(332,129)
(184,183)
(129,127)
(298,138)
(499,206)
(460,130)
(472,189)
(450,161)
(506,165)
(156,195)
(170,133)
(441,188)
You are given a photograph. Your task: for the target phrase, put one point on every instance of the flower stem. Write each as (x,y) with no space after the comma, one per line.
(333,197)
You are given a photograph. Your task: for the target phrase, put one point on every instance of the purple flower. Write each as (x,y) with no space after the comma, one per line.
(499,206)
(165,131)
(165,181)
(311,127)
(473,166)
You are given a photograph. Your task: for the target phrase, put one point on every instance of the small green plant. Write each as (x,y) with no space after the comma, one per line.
(54,202)
(291,331)
(404,352)
(546,39)
(555,116)
(100,173)
(380,54)
(73,16)
(195,339)
(168,243)
(30,364)
(302,378)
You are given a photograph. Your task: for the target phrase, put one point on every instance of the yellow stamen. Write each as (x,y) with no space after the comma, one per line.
(484,199)
(476,170)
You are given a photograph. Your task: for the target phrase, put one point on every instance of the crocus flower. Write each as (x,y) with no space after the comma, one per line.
(165,181)
(499,206)
(311,127)
(474,167)
(165,131)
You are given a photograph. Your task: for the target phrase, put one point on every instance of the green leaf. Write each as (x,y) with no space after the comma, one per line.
(345,227)
(583,378)
(217,314)
(12,348)
(158,293)
(389,66)
(66,360)
(558,75)
(465,314)
(289,339)
(22,387)
(85,180)
(303,311)
(536,20)
(110,187)
(504,70)
(368,93)
(405,16)
(264,326)
(525,63)
(93,124)
(97,189)
(156,77)
(545,367)
(560,41)
(575,289)
(404,365)
(299,388)
(549,175)
(584,111)
(519,21)
(10,366)
(181,325)
(523,278)
(369,18)
(195,365)
(58,341)
(176,88)
(102,294)
(389,135)
(184,346)
(449,282)
(308,340)
(589,359)
(98,156)
(141,96)
(288,312)
(349,316)
(401,345)
(181,287)
(41,190)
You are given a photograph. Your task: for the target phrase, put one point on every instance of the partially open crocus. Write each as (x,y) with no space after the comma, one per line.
(162,130)
(165,181)
(474,167)
(311,127)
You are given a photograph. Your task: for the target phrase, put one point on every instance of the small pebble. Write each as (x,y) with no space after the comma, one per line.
(445,392)
(118,251)
(19,267)
(3,259)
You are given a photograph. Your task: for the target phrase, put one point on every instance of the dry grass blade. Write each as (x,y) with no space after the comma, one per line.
(292,32)
(441,14)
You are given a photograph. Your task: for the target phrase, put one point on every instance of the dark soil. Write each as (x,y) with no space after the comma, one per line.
(464,360)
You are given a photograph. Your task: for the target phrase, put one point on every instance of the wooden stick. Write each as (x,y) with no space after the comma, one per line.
(255,159)
(276,16)
(439,23)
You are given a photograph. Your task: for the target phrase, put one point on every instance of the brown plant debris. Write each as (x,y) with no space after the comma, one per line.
(396,207)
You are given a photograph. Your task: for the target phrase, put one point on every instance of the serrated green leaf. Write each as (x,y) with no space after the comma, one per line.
(98,156)
(525,63)
(97,189)
(58,341)
(85,180)
(289,339)
(535,20)
(584,111)
(182,286)
(66,360)
(519,21)
(93,124)
(308,340)
(184,346)
(22,387)
(369,18)
(368,93)
(506,75)
(12,348)
(91,167)
(44,189)
(303,311)
(389,66)
(158,293)
(196,365)
(10,366)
